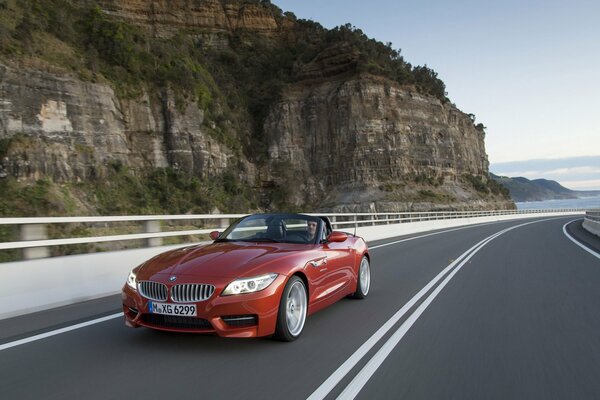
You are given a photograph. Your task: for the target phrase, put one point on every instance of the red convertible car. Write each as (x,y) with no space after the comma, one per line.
(261,277)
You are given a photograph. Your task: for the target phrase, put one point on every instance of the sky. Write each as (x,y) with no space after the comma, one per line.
(578,173)
(528,70)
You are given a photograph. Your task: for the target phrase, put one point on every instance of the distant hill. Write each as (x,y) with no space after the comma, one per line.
(522,189)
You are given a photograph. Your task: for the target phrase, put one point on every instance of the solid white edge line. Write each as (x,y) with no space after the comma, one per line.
(360,380)
(592,252)
(58,331)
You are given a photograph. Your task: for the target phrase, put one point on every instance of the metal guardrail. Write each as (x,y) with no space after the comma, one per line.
(35,243)
(593,215)
(591,222)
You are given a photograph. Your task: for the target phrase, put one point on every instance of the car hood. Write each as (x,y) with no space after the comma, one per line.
(223,259)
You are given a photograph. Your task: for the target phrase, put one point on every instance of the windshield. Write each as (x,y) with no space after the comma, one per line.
(279,228)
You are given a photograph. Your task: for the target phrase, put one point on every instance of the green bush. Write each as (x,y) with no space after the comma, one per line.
(4,147)
(497,188)
(477,183)
(8,234)
(30,199)
(427,194)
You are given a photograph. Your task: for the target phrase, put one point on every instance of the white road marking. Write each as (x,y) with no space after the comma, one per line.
(369,369)
(343,370)
(58,331)
(432,234)
(592,252)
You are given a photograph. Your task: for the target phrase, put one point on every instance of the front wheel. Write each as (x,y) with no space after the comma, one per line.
(363,283)
(292,310)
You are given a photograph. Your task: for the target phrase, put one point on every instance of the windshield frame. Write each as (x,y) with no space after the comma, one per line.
(274,217)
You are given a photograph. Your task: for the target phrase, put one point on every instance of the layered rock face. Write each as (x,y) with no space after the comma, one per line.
(345,137)
(212,20)
(68,130)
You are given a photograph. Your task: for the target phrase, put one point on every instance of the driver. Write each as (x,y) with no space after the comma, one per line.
(311,229)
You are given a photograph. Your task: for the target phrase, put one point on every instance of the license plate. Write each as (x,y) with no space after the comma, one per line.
(187,310)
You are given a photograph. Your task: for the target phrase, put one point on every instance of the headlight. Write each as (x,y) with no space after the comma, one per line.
(131,280)
(249,285)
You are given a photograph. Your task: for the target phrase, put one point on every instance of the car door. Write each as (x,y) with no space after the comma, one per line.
(336,266)
(340,264)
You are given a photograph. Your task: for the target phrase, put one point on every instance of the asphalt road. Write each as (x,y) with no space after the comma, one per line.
(513,318)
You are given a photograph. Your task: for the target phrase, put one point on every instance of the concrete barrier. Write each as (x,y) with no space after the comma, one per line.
(35,285)
(592,226)
(376,232)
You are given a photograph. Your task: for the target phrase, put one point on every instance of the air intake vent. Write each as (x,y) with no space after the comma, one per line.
(191,293)
(237,321)
(176,322)
(153,290)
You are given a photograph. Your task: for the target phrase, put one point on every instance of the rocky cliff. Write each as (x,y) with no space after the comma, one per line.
(366,144)
(67,130)
(334,137)
(170,17)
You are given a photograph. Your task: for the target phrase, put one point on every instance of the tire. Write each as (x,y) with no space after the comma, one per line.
(292,311)
(363,282)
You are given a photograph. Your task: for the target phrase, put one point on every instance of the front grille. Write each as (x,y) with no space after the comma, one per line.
(236,321)
(191,293)
(177,322)
(153,290)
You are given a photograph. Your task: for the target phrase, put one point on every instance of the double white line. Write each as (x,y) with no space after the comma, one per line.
(373,364)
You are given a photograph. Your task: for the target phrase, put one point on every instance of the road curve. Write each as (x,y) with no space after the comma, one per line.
(513,315)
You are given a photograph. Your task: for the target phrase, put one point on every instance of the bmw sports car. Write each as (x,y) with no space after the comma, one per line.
(261,277)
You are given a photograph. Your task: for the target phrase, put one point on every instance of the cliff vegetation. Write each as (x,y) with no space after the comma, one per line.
(213,113)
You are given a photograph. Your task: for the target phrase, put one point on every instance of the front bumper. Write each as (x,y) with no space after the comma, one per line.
(244,315)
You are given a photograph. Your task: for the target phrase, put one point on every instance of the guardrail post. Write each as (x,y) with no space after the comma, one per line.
(224,223)
(355,222)
(152,227)
(34,232)
(333,220)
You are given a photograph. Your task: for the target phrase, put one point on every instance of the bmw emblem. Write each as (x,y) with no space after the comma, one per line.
(173,278)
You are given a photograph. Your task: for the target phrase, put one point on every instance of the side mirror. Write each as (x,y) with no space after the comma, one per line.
(214,235)
(337,237)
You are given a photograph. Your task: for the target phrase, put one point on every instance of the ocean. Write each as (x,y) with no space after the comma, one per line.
(584,203)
